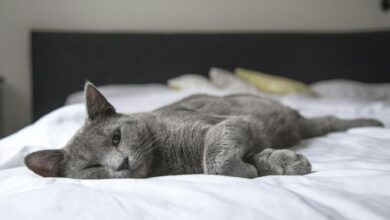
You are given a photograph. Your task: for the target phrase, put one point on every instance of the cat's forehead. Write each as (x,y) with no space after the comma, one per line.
(108,123)
(90,131)
(100,130)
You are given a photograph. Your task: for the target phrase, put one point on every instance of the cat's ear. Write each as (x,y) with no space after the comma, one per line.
(97,104)
(46,163)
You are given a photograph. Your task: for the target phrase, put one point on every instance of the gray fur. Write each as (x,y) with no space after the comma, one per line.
(236,135)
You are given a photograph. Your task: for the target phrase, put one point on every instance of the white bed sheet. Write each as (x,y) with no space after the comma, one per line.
(351,182)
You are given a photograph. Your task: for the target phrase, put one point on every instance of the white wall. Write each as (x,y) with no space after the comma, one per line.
(18,17)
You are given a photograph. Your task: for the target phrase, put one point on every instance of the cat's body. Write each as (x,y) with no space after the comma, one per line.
(182,128)
(231,135)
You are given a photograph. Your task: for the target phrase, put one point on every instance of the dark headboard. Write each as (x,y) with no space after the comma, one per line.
(61,61)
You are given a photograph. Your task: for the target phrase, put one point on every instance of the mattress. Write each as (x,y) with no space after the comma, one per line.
(350,178)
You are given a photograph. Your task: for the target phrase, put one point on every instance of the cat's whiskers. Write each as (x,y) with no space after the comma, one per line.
(145,147)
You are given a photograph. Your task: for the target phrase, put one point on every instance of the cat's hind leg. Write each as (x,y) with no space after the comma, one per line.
(314,127)
(230,145)
(226,146)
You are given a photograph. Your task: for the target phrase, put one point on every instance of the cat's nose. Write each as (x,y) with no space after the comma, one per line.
(125,164)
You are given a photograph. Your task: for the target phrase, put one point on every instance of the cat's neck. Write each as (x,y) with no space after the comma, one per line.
(174,151)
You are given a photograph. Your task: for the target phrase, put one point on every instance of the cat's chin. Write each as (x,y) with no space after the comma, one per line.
(125,173)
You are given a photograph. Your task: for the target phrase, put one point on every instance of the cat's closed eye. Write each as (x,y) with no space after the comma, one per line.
(93,166)
(116,137)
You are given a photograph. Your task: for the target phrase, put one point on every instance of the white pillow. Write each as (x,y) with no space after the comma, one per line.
(226,80)
(117,91)
(349,89)
(189,82)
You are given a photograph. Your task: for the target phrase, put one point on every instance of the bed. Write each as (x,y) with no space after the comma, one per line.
(352,169)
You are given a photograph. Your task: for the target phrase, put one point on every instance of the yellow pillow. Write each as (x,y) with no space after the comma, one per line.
(271,83)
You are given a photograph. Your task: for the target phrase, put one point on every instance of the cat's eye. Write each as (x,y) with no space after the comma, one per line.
(93,166)
(116,137)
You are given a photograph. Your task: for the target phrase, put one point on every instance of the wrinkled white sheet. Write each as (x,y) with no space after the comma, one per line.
(351,179)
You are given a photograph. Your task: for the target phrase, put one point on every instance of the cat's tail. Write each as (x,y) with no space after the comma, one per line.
(314,127)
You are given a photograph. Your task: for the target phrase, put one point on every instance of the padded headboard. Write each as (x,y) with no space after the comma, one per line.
(61,61)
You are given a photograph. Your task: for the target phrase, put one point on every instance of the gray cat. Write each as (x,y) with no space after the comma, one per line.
(235,135)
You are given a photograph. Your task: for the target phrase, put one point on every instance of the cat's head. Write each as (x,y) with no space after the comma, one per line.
(108,145)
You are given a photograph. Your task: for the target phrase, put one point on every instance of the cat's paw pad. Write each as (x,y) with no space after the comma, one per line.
(281,162)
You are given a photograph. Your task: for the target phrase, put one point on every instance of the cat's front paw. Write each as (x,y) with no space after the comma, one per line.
(281,162)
